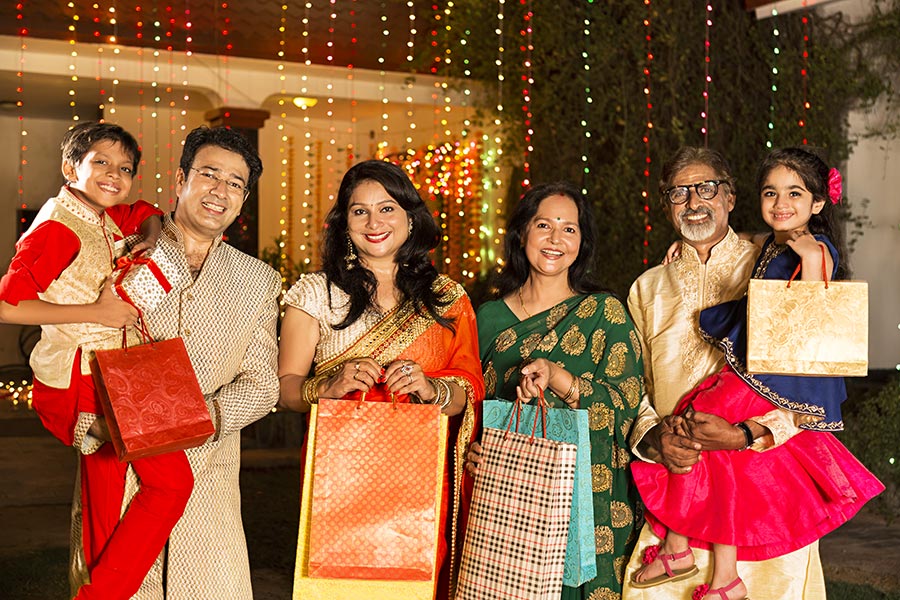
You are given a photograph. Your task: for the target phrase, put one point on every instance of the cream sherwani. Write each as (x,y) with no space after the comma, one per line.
(665,303)
(227,317)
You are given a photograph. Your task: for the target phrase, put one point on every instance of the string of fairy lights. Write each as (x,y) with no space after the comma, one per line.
(648,129)
(707,79)
(776,52)
(804,73)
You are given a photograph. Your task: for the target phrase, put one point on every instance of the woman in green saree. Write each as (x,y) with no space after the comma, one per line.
(553,328)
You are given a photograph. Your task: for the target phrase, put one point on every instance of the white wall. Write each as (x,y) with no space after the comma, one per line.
(873,173)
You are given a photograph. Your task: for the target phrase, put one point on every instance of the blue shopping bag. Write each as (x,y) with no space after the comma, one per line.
(570,426)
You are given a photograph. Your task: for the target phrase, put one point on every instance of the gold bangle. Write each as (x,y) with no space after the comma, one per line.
(572,389)
(310,389)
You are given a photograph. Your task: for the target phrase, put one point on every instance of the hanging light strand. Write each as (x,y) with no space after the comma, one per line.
(98,75)
(588,102)
(20,104)
(773,89)
(527,48)
(648,130)
(286,216)
(704,129)
(410,81)
(142,106)
(73,56)
(306,217)
(113,40)
(804,75)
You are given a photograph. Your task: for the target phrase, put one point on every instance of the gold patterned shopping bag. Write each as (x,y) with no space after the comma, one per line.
(808,327)
(308,584)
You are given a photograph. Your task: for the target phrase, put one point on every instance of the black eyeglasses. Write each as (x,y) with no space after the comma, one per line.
(680,194)
(234,188)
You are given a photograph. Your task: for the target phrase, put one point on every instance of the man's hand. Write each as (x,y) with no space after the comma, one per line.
(677,453)
(712,432)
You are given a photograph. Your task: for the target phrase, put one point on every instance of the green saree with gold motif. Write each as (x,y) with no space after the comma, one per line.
(593,338)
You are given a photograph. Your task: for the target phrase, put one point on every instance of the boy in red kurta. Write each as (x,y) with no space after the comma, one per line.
(59,279)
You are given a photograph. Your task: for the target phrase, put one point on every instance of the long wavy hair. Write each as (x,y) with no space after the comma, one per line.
(517,269)
(415,272)
(814,172)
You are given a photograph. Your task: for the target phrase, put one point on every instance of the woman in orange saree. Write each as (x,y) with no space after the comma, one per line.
(379,319)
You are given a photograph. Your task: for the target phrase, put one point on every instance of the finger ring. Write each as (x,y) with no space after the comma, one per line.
(357,365)
(355,376)
(406,369)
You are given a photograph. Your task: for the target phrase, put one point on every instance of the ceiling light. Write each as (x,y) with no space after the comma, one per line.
(304,102)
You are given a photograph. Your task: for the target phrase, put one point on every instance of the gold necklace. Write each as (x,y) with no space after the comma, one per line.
(522,304)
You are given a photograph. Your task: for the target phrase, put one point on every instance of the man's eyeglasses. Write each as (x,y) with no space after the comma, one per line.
(234,188)
(680,194)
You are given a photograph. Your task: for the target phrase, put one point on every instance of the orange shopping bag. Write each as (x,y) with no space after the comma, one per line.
(371,501)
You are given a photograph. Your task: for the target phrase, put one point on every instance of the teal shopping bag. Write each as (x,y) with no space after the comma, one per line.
(570,426)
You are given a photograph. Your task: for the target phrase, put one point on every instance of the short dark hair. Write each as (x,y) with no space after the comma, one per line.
(517,268)
(693,155)
(79,140)
(226,138)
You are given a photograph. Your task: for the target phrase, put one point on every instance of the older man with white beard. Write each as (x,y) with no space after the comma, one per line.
(698,193)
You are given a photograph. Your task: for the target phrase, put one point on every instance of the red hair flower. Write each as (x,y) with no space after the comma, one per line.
(835,192)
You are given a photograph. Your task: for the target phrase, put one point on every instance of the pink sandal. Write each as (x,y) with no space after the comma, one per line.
(651,553)
(703,590)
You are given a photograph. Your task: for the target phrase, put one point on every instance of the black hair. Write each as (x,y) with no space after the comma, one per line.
(226,138)
(814,172)
(79,140)
(415,272)
(517,268)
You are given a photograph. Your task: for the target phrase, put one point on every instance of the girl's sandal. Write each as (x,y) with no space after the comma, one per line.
(651,553)
(704,590)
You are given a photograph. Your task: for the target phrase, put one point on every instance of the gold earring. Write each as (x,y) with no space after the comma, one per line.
(410,226)
(351,257)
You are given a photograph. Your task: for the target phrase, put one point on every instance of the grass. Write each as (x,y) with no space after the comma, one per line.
(271,511)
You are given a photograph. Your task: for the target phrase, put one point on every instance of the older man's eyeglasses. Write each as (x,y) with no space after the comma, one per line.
(680,194)
(233,187)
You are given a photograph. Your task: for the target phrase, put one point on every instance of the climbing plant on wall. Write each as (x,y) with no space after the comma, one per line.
(574,87)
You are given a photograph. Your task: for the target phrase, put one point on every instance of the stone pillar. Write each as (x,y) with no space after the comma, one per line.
(244,232)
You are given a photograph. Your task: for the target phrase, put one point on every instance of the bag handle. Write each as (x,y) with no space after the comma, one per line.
(541,410)
(362,398)
(824,274)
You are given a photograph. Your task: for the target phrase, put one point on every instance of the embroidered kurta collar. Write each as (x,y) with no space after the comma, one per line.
(171,230)
(70,202)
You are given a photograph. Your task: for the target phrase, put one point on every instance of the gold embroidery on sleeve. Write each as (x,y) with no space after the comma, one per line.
(632,389)
(587,308)
(614,311)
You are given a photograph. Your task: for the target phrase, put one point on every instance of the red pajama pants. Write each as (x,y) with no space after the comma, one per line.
(118,552)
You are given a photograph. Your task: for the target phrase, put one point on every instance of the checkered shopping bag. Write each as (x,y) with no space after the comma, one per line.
(515,545)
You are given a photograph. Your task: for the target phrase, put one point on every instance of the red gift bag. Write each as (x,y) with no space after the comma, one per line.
(377,485)
(151,399)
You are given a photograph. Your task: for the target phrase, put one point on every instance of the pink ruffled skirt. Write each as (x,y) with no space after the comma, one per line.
(765,503)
